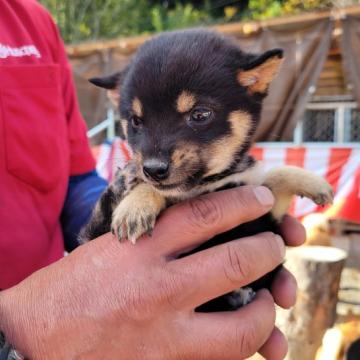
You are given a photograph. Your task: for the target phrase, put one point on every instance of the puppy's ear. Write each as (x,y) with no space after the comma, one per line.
(259,71)
(112,84)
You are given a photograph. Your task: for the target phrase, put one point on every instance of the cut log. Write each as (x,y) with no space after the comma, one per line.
(317,270)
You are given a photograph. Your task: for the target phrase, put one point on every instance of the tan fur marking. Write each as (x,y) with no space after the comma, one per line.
(259,78)
(137,212)
(185,102)
(287,181)
(222,152)
(184,152)
(137,107)
(178,156)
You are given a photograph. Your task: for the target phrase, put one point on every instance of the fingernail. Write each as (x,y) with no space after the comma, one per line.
(264,195)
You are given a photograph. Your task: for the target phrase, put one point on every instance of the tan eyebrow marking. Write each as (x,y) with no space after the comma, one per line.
(137,107)
(185,102)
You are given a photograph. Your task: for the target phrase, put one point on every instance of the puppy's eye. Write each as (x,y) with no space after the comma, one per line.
(201,116)
(136,122)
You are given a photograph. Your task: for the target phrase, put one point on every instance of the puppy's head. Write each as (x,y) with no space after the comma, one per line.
(190,104)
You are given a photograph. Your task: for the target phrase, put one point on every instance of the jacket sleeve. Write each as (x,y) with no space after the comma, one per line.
(83,193)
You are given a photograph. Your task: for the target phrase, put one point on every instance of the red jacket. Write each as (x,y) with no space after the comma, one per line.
(42,139)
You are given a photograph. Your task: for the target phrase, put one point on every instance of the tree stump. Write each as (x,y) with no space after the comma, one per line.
(317,270)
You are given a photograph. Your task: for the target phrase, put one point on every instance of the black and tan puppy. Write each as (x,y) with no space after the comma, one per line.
(190,104)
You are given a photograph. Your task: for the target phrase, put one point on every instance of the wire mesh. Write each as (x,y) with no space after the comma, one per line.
(355,125)
(319,125)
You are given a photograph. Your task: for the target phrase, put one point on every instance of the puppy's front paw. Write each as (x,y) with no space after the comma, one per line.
(319,191)
(137,212)
(132,222)
(287,181)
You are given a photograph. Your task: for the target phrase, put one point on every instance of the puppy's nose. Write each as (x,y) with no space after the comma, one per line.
(156,169)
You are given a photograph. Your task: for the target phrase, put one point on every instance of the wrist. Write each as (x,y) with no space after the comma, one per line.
(14,323)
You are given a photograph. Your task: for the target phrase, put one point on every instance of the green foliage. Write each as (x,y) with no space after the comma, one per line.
(81,20)
(94,19)
(264,9)
(181,16)
(297,6)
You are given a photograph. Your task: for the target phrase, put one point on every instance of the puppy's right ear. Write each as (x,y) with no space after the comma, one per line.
(112,84)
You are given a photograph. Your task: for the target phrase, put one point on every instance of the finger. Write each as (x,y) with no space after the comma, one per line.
(191,223)
(232,335)
(210,273)
(276,347)
(284,289)
(292,231)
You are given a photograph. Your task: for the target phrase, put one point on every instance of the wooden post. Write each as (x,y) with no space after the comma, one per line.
(317,270)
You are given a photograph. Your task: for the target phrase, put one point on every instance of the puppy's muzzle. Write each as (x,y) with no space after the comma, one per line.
(156,169)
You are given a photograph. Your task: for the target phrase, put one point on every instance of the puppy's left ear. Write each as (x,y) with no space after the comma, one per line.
(259,71)
(112,84)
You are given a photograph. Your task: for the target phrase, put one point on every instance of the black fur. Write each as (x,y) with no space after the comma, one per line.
(199,61)
(206,65)
(108,82)
(101,223)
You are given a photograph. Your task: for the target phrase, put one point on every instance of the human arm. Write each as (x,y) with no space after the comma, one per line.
(113,299)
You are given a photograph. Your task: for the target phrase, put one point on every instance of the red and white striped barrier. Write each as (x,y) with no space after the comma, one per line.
(110,156)
(340,166)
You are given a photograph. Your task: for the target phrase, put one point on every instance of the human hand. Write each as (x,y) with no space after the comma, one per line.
(284,288)
(115,300)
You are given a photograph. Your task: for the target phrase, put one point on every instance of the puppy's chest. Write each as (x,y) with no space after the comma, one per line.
(204,189)
(251,176)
